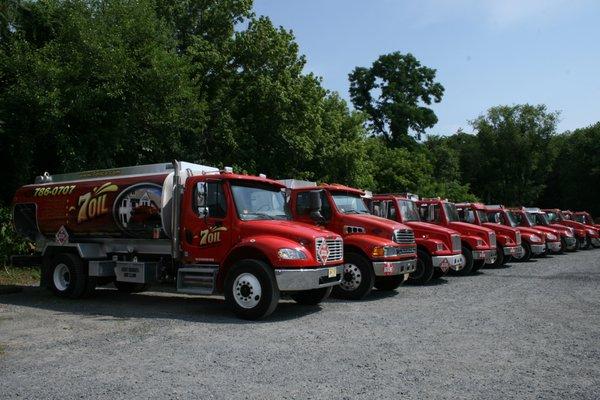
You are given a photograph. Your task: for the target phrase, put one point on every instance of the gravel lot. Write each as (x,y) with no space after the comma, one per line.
(526,331)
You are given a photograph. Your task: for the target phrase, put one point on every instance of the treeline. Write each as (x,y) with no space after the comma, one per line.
(88,84)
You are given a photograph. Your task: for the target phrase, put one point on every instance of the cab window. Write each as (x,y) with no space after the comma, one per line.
(213,200)
(303,202)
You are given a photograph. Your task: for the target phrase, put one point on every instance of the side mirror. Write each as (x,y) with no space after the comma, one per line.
(315,204)
(200,200)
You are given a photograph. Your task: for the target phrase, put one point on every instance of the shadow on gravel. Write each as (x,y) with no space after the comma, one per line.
(113,304)
(373,296)
(434,282)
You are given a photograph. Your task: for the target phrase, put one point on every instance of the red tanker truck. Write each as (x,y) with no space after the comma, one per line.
(377,252)
(534,242)
(478,243)
(535,218)
(508,239)
(583,234)
(204,230)
(438,248)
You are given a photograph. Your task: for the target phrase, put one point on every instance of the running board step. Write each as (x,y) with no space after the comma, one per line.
(197,279)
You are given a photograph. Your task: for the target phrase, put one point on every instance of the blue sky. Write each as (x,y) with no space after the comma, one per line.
(486,52)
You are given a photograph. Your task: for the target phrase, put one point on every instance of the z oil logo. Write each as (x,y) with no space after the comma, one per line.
(93,204)
(211,235)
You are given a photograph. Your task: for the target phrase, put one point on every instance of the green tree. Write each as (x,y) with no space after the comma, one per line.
(396,92)
(514,153)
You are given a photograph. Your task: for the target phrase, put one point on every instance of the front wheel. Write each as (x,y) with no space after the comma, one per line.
(424,271)
(585,243)
(467,255)
(311,297)
(526,254)
(251,289)
(358,278)
(499,257)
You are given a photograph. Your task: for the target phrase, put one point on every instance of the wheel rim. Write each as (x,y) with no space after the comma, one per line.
(352,277)
(61,277)
(247,290)
(463,260)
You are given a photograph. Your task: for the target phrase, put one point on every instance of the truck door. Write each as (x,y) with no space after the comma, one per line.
(205,235)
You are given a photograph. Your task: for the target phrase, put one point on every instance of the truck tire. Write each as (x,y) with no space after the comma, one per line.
(424,271)
(477,265)
(499,257)
(526,253)
(468,258)
(311,297)
(585,243)
(358,278)
(388,283)
(251,289)
(438,273)
(131,287)
(67,276)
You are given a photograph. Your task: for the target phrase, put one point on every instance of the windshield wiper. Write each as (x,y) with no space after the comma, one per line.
(351,212)
(260,215)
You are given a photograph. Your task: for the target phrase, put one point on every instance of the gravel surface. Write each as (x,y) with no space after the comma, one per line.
(526,331)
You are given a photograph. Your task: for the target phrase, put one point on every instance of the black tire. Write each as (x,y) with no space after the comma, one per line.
(67,276)
(388,283)
(251,272)
(527,253)
(358,278)
(499,257)
(311,297)
(438,273)
(477,265)
(424,271)
(468,267)
(586,243)
(130,287)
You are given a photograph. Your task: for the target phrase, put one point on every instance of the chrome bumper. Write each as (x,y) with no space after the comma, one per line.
(539,248)
(552,246)
(488,255)
(444,262)
(516,251)
(307,279)
(387,268)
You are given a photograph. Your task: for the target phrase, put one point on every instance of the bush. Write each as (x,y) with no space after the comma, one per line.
(10,242)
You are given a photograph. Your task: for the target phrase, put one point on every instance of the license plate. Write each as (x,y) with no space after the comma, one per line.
(388,269)
(332,272)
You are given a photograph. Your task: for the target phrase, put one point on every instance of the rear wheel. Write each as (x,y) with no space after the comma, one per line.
(424,271)
(311,297)
(358,278)
(251,289)
(67,276)
(388,283)
(131,287)
(467,255)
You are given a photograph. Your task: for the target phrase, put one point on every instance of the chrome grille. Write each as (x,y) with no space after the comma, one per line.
(404,236)
(518,237)
(456,243)
(336,249)
(492,239)
(406,250)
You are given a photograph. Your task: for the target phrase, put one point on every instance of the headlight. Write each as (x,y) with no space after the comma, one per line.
(385,251)
(590,232)
(535,239)
(439,246)
(550,237)
(569,234)
(291,254)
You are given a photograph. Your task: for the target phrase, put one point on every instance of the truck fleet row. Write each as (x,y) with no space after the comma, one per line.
(252,239)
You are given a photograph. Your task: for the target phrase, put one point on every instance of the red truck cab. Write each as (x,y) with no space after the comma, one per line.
(583,234)
(508,239)
(586,218)
(438,248)
(377,252)
(533,241)
(478,243)
(202,230)
(536,218)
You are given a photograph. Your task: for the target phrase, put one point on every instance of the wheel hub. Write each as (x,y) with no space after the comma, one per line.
(61,277)
(352,277)
(247,290)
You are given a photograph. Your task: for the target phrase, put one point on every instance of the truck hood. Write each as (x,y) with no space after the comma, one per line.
(292,230)
(533,231)
(503,229)
(373,224)
(465,228)
(419,227)
(547,229)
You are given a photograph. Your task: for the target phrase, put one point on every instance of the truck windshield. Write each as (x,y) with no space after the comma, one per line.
(255,201)
(512,219)
(552,217)
(482,216)
(408,211)
(540,219)
(451,213)
(348,203)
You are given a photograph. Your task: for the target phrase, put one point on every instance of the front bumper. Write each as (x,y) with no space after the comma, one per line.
(308,278)
(516,251)
(553,246)
(388,268)
(488,255)
(455,262)
(538,248)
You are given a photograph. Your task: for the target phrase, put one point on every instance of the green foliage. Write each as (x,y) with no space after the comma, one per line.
(395,92)
(10,242)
